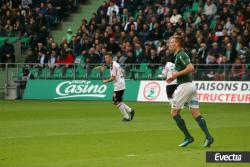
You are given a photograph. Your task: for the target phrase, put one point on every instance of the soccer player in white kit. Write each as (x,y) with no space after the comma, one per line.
(116,75)
(167,73)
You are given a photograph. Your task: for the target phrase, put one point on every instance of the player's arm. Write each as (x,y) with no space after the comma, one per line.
(189,68)
(113,76)
(109,80)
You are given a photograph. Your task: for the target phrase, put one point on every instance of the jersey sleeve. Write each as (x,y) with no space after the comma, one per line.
(114,71)
(164,71)
(184,59)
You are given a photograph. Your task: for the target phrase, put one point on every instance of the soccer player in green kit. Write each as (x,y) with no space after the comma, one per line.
(185,92)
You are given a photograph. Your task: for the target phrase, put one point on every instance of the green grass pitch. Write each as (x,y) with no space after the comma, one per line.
(91,134)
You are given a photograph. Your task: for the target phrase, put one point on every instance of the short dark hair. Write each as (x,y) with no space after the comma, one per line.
(179,40)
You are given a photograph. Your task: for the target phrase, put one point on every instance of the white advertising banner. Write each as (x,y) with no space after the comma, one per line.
(153,91)
(208,91)
(223,91)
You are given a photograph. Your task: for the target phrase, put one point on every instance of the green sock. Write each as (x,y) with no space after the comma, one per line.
(181,124)
(202,123)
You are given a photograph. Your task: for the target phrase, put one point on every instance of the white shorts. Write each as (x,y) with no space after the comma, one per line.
(185,93)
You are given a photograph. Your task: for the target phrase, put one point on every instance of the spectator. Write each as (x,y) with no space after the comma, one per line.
(19,17)
(7,52)
(240,18)
(244,53)
(175,17)
(101,17)
(92,57)
(18,27)
(129,24)
(230,53)
(113,46)
(69,35)
(154,59)
(210,9)
(225,13)
(7,18)
(43,9)
(26,3)
(124,16)
(211,68)
(156,33)
(181,24)
(246,38)
(228,26)
(202,53)
(112,8)
(52,59)
(144,33)
(216,50)
(129,63)
(153,21)
(65,59)
(117,32)
(120,58)
(114,18)
(80,59)
(8,27)
(223,68)
(238,70)
(22,81)
(149,13)
(42,58)
(75,46)
(54,46)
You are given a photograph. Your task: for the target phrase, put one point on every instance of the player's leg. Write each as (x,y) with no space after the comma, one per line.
(175,113)
(194,107)
(203,125)
(170,92)
(180,97)
(129,110)
(201,121)
(118,102)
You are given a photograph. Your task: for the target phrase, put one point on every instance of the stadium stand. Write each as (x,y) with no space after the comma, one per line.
(216,36)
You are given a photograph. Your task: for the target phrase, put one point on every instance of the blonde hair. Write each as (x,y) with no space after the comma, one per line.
(178,39)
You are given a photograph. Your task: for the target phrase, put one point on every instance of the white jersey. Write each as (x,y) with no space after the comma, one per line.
(117,72)
(168,71)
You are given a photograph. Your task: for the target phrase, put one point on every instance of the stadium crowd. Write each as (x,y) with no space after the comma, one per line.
(137,31)
(33,19)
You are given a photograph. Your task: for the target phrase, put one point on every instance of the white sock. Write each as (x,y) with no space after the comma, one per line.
(128,109)
(170,101)
(123,111)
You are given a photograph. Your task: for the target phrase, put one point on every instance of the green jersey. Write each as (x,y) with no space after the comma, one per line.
(181,61)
